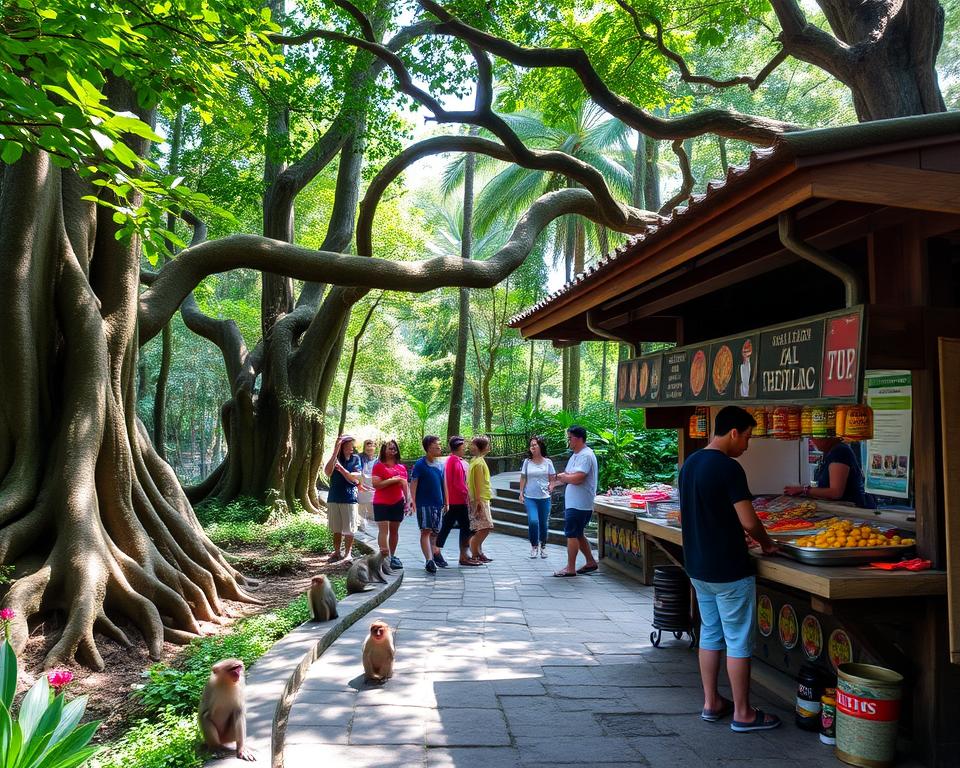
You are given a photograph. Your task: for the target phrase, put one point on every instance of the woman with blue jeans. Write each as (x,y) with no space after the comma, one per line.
(537,478)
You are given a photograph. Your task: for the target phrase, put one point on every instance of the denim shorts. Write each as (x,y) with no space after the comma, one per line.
(575,521)
(727,611)
(429,518)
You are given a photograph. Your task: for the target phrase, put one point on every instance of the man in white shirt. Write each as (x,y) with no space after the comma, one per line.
(580,477)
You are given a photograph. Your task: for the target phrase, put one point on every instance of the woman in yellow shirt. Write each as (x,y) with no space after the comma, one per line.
(478,481)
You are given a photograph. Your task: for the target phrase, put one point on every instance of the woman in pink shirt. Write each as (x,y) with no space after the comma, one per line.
(458,500)
(391,499)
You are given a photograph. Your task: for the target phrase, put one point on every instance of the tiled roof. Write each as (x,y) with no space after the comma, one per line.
(788,149)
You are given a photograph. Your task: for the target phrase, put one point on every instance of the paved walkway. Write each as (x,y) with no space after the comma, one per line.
(504,666)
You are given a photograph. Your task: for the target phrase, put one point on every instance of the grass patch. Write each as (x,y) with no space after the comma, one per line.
(300,532)
(273,564)
(169,737)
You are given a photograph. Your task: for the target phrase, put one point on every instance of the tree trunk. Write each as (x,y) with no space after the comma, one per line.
(639,172)
(722,145)
(536,396)
(529,395)
(455,414)
(353,363)
(603,370)
(651,176)
(94,522)
(579,259)
(476,413)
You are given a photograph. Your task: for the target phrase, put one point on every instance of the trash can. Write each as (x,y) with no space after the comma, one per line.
(868,714)
(671,603)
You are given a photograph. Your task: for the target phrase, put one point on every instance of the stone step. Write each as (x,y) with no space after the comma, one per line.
(521,531)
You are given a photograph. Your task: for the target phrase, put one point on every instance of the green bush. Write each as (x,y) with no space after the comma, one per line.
(235,534)
(301,533)
(628,453)
(169,739)
(179,689)
(243,509)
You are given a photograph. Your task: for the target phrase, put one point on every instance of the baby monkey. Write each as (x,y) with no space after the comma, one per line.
(223,713)
(323,602)
(378,653)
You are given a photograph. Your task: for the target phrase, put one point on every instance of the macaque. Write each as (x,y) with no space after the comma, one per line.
(223,713)
(378,653)
(375,567)
(358,577)
(385,568)
(323,602)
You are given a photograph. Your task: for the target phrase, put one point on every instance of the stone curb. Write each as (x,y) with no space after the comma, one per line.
(274,680)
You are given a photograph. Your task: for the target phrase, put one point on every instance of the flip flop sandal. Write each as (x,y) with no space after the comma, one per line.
(760,723)
(587,569)
(713,715)
(564,575)
(470,563)
(485,559)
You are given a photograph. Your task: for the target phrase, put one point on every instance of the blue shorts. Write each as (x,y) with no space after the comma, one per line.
(727,611)
(429,518)
(575,521)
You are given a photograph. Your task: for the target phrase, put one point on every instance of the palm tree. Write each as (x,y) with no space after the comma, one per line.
(587,134)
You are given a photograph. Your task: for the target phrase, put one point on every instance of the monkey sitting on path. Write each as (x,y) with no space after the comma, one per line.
(378,653)
(376,561)
(223,709)
(358,577)
(323,601)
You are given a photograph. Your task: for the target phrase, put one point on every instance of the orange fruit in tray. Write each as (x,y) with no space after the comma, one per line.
(841,534)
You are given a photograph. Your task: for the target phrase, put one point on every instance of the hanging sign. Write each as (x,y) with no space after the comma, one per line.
(887,461)
(818,358)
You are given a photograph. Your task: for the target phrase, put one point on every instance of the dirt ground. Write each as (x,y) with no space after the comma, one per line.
(110,691)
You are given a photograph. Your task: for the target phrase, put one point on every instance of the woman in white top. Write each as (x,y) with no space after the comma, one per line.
(365,492)
(537,478)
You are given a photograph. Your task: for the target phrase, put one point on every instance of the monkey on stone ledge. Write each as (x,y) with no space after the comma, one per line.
(323,601)
(223,709)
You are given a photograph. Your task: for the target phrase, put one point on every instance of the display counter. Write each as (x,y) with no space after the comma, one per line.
(827,582)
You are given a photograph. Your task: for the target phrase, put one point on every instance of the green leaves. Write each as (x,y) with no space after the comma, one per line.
(44,734)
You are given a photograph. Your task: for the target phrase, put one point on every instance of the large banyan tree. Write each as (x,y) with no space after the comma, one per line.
(92,520)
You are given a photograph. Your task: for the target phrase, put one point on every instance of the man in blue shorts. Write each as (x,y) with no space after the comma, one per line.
(580,475)
(426,488)
(716,508)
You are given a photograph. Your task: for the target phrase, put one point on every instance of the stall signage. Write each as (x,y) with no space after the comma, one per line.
(676,375)
(808,360)
(790,361)
(841,356)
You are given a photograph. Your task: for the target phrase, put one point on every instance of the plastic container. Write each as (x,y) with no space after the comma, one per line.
(809,692)
(868,714)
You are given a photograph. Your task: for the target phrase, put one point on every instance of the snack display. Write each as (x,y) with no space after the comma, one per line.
(698,372)
(722,369)
(840,534)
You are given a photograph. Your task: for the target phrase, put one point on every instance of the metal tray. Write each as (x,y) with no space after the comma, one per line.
(845,556)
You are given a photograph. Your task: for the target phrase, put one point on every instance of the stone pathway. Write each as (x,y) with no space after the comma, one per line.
(505,666)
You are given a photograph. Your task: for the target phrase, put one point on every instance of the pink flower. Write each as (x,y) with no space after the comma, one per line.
(6,614)
(59,678)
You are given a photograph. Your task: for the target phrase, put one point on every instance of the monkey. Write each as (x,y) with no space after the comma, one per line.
(323,602)
(376,560)
(378,653)
(358,577)
(223,709)
(385,568)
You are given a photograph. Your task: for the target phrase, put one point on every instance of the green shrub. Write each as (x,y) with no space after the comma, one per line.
(244,509)
(301,533)
(236,534)
(179,688)
(168,740)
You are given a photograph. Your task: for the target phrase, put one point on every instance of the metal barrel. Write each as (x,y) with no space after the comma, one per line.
(868,714)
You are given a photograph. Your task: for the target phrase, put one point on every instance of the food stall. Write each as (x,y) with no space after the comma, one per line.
(820,287)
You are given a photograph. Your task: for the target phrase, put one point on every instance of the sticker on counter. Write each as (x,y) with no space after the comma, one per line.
(839,648)
(787,627)
(764,615)
(811,637)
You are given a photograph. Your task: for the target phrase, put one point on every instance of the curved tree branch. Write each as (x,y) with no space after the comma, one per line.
(686,186)
(734,125)
(179,277)
(685,74)
(811,44)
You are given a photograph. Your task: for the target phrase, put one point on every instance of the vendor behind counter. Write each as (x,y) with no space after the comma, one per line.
(838,477)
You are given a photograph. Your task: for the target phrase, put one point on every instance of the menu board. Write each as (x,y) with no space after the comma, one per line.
(676,376)
(791,359)
(807,360)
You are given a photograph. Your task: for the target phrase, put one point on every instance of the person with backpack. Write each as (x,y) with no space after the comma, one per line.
(537,478)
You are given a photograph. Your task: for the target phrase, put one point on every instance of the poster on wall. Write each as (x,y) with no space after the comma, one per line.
(887,455)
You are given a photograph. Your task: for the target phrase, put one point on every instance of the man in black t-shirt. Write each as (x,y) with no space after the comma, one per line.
(716,508)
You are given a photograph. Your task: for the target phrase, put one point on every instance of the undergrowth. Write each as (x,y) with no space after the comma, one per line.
(168,736)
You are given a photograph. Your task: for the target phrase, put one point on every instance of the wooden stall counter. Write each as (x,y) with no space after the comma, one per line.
(826,582)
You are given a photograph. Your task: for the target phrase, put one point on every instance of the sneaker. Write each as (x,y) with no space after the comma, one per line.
(395,562)
(439,560)
(431,566)
(543,551)
(533,551)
